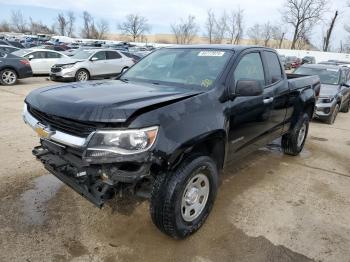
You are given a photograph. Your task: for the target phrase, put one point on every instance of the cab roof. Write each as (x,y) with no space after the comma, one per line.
(237,48)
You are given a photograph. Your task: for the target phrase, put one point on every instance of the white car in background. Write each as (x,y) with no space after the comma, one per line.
(91,64)
(41,60)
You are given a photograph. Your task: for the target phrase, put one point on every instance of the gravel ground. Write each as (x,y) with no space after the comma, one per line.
(271,208)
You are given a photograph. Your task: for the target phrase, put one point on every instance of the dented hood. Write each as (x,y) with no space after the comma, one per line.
(103,101)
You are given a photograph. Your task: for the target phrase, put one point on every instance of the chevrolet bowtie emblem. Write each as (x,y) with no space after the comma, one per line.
(43,132)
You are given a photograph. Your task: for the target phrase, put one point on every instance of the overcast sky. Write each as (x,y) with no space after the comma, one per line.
(161,13)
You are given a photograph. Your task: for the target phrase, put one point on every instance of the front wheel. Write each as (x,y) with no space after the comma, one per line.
(8,77)
(181,201)
(293,142)
(82,75)
(346,107)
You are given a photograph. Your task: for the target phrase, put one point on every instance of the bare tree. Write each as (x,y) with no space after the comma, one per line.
(5,26)
(185,31)
(18,22)
(301,14)
(232,26)
(102,28)
(61,24)
(38,27)
(70,24)
(278,34)
(220,28)
(209,25)
(266,33)
(255,33)
(134,26)
(239,25)
(327,38)
(88,25)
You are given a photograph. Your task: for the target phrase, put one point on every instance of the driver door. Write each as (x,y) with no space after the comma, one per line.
(249,116)
(100,65)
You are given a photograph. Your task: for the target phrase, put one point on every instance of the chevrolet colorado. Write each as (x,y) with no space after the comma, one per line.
(167,126)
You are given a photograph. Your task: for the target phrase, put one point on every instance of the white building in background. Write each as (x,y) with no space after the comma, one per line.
(319,55)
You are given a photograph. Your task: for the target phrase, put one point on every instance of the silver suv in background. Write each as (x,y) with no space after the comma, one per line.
(90,64)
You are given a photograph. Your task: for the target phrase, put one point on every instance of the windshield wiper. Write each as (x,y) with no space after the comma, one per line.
(125,80)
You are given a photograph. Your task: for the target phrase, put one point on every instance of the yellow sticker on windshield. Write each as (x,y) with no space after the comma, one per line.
(206,83)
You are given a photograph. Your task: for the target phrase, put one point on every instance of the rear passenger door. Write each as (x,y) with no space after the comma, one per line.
(276,93)
(115,62)
(37,62)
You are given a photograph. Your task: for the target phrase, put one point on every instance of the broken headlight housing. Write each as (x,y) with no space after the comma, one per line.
(109,143)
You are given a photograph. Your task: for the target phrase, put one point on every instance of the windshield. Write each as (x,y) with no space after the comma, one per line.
(21,52)
(328,76)
(189,67)
(83,54)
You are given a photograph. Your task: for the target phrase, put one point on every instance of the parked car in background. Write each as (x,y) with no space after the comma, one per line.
(90,64)
(292,62)
(41,60)
(13,68)
(8,48)
(336,62)
(283,61)
(335,89)
(11,43)
(308,60)
(134,57)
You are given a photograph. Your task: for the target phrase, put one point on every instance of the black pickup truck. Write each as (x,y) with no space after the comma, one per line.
(167,127)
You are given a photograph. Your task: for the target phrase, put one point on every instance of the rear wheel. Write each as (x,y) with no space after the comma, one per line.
(82,75)
(181,201)
(331,119)
(8,77)
(293,142)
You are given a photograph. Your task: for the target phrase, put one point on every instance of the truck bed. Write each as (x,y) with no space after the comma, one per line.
(297,81)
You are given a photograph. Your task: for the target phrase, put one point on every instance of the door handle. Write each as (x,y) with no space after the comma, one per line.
(268,100)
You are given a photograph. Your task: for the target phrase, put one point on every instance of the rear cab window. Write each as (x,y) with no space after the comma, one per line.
(274,67)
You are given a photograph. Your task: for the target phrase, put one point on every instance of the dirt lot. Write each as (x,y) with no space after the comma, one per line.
(271,208)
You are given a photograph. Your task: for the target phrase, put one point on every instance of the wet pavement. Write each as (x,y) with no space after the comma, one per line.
(270,207)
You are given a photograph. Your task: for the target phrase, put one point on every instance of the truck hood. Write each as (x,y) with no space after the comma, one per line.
(103,101)
(329,90)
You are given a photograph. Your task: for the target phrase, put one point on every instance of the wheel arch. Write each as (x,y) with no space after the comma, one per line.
(212,145)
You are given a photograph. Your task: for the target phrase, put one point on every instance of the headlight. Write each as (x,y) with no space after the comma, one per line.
(108,143)
(67,66)
(326,100)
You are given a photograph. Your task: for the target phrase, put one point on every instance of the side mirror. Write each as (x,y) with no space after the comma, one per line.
(345,84)
(248,88)
(30,57)
(94,58)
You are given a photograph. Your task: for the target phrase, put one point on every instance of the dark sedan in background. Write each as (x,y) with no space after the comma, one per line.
(335,89)
(13,68)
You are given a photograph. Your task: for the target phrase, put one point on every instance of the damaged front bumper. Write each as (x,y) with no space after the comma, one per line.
(97,183)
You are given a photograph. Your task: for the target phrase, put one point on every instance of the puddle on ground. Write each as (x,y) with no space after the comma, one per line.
(34,201)
(319,138)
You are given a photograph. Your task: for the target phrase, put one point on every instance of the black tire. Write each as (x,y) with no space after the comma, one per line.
(346,107)
(331,119)
(80,72)
(291,145)
(169,191)
(8,77)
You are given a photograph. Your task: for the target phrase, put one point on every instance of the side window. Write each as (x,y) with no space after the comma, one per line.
(100,55)
(53,55)
(37,55)
(274,67)
(113,55)
(250,68)
(343,76)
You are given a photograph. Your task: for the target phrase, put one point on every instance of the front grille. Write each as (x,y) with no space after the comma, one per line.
(56,69)
(73,127)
